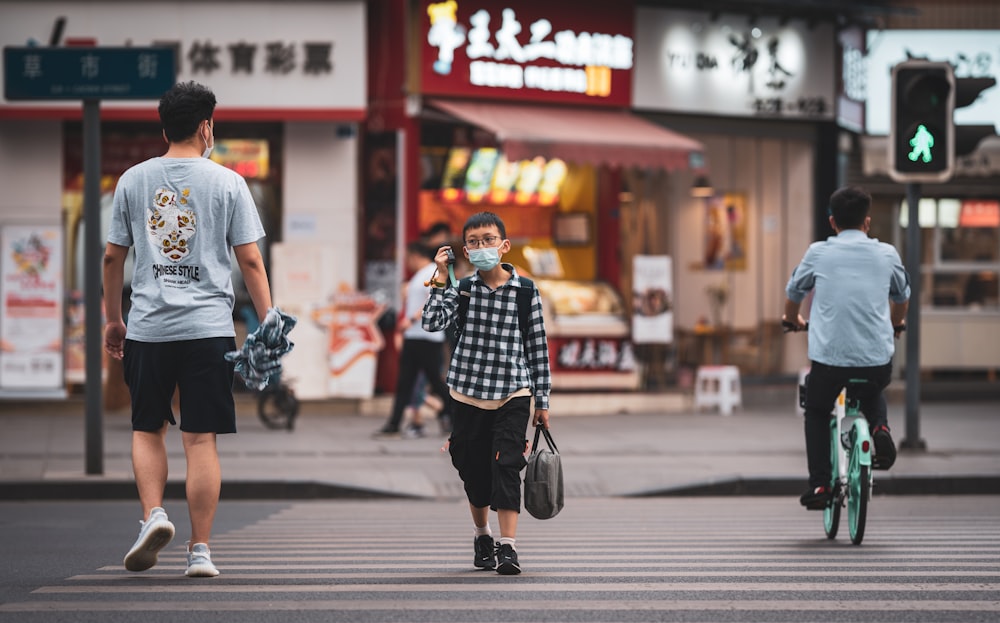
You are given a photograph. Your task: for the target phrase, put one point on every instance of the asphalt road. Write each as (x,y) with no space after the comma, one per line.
(602,560)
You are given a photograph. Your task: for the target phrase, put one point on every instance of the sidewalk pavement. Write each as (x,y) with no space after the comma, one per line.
(654,444)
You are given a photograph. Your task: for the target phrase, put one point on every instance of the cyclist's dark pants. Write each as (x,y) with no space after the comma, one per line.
(825,383)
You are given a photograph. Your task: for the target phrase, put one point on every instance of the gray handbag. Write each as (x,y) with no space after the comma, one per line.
(543,479)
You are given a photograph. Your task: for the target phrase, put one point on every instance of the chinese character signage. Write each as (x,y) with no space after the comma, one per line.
(731,65)
(606,354)
(87,73)
(257,56)
(31,311)
(558,51)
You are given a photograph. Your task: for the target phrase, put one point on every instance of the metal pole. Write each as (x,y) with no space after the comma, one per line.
(92,262)
(912,440)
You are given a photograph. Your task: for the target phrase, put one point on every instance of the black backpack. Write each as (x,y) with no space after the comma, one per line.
(524,294)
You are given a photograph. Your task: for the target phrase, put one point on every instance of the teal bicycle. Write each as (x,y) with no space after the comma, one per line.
(851,448)
(851,465)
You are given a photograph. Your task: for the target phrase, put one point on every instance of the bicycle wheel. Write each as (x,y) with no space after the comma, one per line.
(831,514)
(859,491)
(277,407)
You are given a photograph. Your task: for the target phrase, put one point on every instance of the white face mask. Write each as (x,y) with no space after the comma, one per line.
(484,259)
(208,148)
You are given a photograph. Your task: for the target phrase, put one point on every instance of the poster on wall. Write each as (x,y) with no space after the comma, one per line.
(726,232)
(31,310)
(354,342)
(652,299)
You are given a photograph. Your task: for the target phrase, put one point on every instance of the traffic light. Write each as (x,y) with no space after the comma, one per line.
(922,133)
(968,137)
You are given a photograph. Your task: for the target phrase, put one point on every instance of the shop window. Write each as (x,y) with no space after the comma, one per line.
(960,252)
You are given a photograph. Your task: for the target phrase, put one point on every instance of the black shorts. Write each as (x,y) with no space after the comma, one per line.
(197,368)
(487,448)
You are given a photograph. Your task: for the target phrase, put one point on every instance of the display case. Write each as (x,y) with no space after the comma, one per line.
(589,341)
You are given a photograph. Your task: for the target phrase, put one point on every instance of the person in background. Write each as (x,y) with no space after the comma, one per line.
(422,351)
(183,214)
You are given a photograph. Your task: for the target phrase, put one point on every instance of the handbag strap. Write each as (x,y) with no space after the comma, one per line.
(541,430)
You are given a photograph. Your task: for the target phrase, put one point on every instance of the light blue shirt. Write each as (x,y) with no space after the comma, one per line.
(182,216)
(853,278)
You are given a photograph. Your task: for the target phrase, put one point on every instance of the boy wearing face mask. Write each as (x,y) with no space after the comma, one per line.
(183,214)
(497,367)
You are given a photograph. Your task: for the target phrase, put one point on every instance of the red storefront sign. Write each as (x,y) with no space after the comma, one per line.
(589,355)
(554,51)
(980,213)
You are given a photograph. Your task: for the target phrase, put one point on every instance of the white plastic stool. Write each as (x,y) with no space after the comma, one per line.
(803,372)
(718,386)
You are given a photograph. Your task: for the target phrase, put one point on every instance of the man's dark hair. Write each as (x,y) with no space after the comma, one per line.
(418,248)
(849,206)
(484,219)
(439,227)
(183,108)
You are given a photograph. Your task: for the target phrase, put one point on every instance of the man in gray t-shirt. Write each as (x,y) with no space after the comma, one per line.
(183,214)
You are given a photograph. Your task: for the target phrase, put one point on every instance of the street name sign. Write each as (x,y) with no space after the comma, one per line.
(37,73)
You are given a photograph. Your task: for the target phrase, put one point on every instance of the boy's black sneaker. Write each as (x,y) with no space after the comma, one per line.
(486,553)
(816,499)
(507,560)
(885,449)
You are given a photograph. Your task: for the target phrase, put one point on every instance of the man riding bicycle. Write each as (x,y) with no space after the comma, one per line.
(861,294)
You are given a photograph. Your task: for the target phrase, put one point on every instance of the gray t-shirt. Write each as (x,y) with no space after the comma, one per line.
(182,215)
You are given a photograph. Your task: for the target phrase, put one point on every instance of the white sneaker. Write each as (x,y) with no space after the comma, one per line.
(154,534)
(200,562)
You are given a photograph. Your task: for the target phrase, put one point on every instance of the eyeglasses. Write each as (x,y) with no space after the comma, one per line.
(486,241)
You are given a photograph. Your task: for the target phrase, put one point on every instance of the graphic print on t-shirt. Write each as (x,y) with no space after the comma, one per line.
(171,228)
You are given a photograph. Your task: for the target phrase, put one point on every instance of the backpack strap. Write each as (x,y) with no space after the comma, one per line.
(524,296)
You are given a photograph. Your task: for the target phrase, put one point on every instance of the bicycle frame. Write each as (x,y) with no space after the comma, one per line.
(851,458)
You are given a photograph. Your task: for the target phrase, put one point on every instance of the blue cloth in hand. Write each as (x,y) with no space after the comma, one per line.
(259,360)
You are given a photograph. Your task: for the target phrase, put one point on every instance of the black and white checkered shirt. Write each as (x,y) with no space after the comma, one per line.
(490,361)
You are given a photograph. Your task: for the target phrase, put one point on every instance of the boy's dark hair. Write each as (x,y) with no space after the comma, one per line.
(484,219)
(849,206)
(418,248)
(183,108)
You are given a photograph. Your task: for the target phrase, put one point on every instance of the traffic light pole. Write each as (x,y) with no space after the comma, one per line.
(912,440)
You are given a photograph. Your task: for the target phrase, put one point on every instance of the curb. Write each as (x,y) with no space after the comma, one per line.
(70,490)
(902,485)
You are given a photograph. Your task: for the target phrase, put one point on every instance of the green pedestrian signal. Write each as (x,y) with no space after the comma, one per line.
(921,137)
(921,142)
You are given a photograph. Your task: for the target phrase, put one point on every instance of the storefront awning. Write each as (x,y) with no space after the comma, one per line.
(580,135)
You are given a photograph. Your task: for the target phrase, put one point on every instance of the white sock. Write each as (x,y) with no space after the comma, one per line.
(484,530)
(507,541)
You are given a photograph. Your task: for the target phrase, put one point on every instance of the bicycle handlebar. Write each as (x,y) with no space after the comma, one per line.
(791,327)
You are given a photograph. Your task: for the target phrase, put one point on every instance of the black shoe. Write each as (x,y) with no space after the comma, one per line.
(885,449)
(816,499)
(486,553)
(386,432)
(507,560)
(413,432)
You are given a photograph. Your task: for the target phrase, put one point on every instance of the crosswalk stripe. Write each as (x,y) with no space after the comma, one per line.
(403,605)
(736,560)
